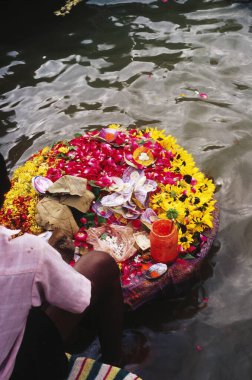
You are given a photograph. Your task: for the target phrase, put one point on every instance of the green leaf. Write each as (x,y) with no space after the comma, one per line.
(92,183)
(62,155)
(71,147)
(90,224)
(188,256)
(141,142)
(101,220)
(96,191)
(172,213)
(103,236)
(77,135)
(89,216)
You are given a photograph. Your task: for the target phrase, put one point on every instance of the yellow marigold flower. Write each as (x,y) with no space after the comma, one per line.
(36,230)
(156,134)
(207,220)
(169,143)
(184,169)
(22,197)
(114,126)
(195,213)
(185,241)
(63,149)
(172,190)
(119,265)
(45,150)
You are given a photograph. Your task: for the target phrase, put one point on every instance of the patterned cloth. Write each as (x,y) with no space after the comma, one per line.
(90,369)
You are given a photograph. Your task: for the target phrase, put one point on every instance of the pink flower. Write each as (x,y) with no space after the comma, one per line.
(203,95)
(83,220)
(108,134)
(80,236)
(193,181)
(136,224)
(191,248)
(198,348)
(72,263)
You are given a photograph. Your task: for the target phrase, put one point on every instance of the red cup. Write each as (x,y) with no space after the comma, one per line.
(164,241)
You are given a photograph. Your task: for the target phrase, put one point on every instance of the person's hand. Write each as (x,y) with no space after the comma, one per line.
(56,237)
(63,244)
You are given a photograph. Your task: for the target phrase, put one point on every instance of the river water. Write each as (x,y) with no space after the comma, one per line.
(143,63)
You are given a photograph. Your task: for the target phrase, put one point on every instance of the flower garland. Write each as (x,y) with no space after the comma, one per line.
(19,209)
(166,182)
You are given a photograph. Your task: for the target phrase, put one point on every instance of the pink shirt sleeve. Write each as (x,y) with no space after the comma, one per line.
(58,283)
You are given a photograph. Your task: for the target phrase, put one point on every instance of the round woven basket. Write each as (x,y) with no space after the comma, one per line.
(161,178)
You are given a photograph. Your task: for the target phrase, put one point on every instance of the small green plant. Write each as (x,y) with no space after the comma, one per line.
(172,213)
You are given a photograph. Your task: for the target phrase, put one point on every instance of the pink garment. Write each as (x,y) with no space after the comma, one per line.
(31,271)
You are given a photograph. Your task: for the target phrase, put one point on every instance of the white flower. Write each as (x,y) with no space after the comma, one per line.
(143,156)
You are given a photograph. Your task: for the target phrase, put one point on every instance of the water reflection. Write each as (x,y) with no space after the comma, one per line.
(128,62)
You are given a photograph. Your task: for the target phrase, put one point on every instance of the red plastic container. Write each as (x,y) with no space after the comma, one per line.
(164,241)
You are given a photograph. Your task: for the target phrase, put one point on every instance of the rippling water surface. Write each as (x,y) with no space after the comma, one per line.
(139,64)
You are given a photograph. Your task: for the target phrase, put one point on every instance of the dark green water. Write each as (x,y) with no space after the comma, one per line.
(128,62)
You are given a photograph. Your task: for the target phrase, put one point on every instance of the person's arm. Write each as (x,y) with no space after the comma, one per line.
(58,283)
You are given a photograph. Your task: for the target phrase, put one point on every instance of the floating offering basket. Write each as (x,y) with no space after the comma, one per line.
(109,186)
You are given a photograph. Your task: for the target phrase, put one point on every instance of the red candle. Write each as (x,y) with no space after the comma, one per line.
(164,241)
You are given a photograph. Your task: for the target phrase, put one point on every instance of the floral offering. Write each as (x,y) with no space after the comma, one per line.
(136,176)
